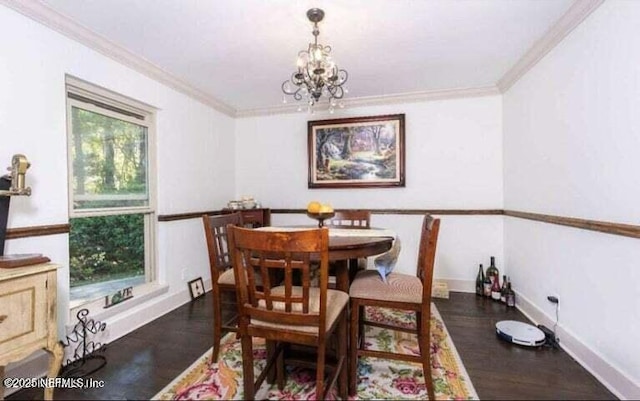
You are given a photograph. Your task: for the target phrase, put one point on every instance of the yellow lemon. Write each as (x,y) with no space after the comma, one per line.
(326,208)
(314,207)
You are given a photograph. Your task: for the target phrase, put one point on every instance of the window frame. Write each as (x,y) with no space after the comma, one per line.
(130,108)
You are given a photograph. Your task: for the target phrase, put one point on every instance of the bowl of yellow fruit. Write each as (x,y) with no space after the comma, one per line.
(320,212)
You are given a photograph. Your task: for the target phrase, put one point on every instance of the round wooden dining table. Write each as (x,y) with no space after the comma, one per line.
(345,250)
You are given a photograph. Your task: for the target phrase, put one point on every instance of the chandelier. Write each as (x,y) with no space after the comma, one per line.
(317,73)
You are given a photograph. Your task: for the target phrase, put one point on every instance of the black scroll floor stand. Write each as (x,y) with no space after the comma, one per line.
(85,359)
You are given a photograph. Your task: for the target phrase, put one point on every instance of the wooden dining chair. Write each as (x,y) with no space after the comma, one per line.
(402,291)
(350,219)
(222,277)
(284,313)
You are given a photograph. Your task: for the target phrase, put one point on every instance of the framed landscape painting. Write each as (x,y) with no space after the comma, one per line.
(359,152)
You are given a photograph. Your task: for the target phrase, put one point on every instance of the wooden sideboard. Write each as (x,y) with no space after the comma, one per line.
(254,218)
(28,320)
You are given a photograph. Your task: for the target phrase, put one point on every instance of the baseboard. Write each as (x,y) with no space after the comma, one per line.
(457,285)
(611,377)
(124,324)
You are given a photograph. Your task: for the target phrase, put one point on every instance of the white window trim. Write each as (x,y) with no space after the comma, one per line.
(105,96)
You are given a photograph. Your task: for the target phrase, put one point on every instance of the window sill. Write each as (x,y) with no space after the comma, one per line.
(97,311)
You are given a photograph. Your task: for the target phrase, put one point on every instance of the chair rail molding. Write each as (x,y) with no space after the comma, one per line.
(37,231)
(626,230)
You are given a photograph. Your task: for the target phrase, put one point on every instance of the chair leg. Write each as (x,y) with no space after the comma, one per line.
(217,323)
(353,346)
(280,372)
(424,340)
(320,394)
(270,347)
(342,352)
(247,368)
(276,373)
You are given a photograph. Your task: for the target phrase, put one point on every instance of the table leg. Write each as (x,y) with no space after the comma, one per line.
(353,269)
(342,275)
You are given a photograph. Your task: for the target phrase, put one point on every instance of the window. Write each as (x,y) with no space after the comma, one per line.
(111,193)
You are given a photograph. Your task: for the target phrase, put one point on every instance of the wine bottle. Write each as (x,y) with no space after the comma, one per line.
(503,290)
(495,289)
(486,286)
(480,281)
(511,296)
(492,270)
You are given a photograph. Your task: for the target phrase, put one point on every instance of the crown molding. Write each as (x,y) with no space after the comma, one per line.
(60,23)
(574,16)
(47,16)
(410,97)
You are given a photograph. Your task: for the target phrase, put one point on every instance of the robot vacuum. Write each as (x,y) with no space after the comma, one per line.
(520,333)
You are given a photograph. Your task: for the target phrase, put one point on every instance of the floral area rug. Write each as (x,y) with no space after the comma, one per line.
(378,378)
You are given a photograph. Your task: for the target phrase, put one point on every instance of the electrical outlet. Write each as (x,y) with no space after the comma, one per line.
(183,274)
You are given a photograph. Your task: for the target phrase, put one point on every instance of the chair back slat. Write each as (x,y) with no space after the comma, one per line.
(426,254)
(279,259)
(215,230)
(350,219)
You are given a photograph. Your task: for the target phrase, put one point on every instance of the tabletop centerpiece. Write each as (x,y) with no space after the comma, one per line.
(320,212)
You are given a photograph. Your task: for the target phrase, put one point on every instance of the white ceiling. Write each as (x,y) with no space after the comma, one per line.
(240,51)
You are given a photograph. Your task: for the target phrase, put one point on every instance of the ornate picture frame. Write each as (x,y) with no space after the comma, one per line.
(360,152)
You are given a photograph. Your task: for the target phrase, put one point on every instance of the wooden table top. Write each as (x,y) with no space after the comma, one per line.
(357,247)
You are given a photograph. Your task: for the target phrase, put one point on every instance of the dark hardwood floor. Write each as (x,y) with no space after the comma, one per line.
(500,370)
(143,362)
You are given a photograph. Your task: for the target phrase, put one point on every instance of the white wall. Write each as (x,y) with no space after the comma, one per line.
(453,161)
(571,141)
(195,155)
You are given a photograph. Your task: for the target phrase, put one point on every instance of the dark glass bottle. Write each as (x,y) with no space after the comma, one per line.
(480,281)
(503,290)
(486,287)
(495,289)
(492,271)
(511,296)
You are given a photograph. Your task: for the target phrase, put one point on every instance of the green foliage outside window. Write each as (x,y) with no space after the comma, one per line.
(105,248)
(109,161)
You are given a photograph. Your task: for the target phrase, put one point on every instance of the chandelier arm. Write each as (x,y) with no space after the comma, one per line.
(344,77)
(285,88)
(336,92)
(297,95)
